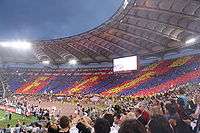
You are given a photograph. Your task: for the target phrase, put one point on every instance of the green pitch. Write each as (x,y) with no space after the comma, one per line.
(15,117)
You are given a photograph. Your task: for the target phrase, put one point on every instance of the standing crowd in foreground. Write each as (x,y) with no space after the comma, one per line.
(175,111)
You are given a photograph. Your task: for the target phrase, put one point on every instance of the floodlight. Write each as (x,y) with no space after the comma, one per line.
(23,45)
(192,40)
(73,62)
(46,62)
(125,3)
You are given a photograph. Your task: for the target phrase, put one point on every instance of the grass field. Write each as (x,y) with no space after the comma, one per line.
(15,118)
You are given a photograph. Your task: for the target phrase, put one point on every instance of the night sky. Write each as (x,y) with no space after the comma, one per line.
(47,19)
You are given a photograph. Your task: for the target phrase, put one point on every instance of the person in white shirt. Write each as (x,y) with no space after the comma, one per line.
(17,128)
(197,101)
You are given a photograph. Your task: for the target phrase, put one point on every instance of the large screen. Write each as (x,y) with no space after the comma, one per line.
(125,64)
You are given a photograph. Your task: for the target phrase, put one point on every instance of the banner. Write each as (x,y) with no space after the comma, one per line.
(8,108)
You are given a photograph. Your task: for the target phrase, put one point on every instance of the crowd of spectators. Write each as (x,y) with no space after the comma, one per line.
(174,111)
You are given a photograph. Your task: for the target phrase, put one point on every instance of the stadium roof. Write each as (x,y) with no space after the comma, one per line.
(139,27)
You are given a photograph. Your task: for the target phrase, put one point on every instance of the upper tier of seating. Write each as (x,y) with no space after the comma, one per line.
(154,78)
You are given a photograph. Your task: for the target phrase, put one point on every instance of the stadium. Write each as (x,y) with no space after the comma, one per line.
(138,71)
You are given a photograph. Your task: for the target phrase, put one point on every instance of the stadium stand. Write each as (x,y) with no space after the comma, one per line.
(149,80)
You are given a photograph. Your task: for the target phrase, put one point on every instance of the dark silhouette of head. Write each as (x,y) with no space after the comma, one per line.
(109,118)
(64,122)
(159,124)
(132,126)
(102,126)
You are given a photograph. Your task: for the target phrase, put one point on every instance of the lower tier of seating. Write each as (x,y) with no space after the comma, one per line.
(154,78)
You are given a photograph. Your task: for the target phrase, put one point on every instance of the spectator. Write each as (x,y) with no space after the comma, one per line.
(102,126)
(82,128)
(180,126)
(171,111)
(64,124)
(8,129)
(17,128)
(183,98)
(53,129)
(197,111)
(110,118)
(142,116)
(23,127)
(162,127)
(132,126)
